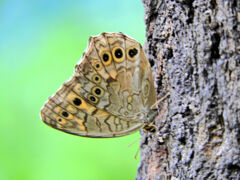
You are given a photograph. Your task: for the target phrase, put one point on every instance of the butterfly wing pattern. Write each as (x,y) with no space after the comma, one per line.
(109,94)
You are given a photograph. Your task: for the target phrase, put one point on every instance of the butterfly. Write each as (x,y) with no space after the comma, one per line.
(110,94)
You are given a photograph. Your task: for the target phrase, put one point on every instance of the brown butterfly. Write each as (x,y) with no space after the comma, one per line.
(110,93)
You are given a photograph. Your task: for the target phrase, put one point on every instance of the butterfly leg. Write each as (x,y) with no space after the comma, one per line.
(152,115)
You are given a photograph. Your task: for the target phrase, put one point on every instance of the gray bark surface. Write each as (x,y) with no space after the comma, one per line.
(193,47)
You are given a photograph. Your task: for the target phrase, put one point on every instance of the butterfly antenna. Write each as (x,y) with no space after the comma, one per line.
(133,142)
(160,100)
(135,157)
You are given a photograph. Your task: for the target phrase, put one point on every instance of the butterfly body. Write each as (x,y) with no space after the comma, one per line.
(110,93)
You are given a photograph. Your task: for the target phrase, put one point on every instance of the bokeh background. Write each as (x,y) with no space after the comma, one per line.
(40,43)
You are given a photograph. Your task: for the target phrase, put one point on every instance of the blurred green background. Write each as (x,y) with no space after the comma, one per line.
(40,43)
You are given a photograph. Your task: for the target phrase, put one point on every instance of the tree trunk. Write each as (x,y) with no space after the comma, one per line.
(193,47)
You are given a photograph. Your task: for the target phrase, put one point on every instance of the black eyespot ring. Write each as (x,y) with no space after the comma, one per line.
(77,101)
(96,78)
(118,54)
(97,91)
(98,66)
(92,98)
(65,114)
(132,52)
(105,57)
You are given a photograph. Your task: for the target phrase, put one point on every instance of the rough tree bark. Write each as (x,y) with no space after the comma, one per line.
(193,47)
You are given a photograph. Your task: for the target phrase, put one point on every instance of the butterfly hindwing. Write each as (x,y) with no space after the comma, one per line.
(70,112)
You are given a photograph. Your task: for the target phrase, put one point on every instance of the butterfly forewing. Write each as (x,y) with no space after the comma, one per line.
(110,93)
